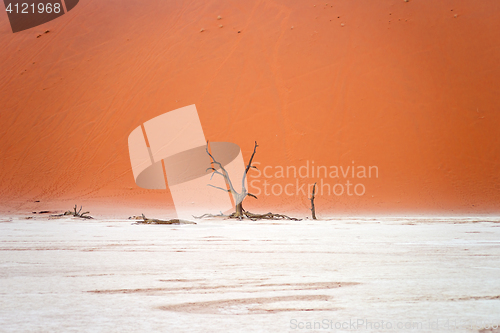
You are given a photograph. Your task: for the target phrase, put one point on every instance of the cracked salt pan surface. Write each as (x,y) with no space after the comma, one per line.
(71,275)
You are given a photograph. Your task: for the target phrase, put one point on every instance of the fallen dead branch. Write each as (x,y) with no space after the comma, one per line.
(251,216)
(269,216)
(75,213)
(210,215)
(146,220)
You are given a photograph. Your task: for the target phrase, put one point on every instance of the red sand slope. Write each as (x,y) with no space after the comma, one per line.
(404,86)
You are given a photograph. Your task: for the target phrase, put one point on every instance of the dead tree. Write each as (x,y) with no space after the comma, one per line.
(240,212)
(238,196)
(313,209)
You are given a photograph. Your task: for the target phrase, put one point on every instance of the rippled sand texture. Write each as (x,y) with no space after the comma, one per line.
(222,276)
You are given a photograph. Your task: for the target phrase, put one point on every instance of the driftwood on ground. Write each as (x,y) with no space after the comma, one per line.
(75,213)
(269,216)
(210,215)
(251,216)
(146,220)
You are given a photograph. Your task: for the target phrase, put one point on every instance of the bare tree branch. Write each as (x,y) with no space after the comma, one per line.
(244,190)
(313,209)
(224,172)
(214,171)
(220,188)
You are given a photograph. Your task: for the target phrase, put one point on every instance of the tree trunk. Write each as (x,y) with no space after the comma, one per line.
(239,210)
(313,209)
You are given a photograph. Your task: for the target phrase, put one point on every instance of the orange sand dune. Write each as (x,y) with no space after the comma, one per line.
(408,87)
